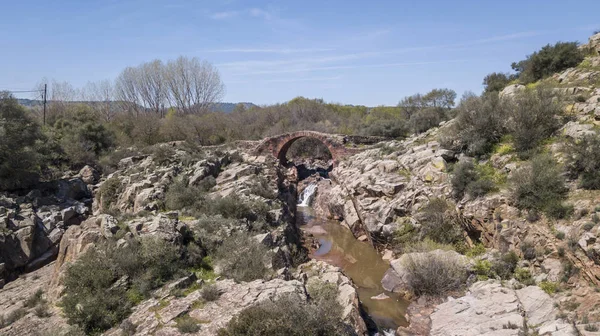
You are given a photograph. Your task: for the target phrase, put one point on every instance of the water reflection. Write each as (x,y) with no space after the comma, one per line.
(361,263)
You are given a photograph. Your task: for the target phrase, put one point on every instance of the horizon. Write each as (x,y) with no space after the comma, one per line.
(268,53)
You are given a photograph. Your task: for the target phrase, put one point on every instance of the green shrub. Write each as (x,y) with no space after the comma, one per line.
(20,158)
(483,270)
(524,276)
(560,235)
(439,223)
(548,287)
(506,265)
(434,274)
(426,119)
(588,226)
(92,302)
(528,250)
(181,195)
(476,250)
(480,123)
(42,310)
(288,315)
(210,293)
(547,61)
(187,324)
(540,186)
(242,258)
(533,118)
(466,179)
(582,161)
(108,193)
(390,128)
(82,136)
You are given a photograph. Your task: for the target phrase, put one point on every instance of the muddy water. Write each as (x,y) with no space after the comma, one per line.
(360,262)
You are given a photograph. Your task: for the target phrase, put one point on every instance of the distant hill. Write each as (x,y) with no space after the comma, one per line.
(219,107)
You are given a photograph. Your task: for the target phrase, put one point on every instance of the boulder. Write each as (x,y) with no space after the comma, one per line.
(511,90)
(89,175)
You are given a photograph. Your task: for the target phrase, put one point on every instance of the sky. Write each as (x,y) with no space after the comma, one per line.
(350,52)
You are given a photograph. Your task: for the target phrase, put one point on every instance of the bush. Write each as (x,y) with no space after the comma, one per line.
(426,119)
(82,136)
(92,302)
(439,223)
(308,148)
(242,258)
(582,161)
(524,276)
(210,293)
(534,117)
(548,287)
(540,186)
(34,299)
(12,317)
(390,128)
(547,61)
(528,250)
(288,315)
(434,274)
(466,179)
(20,158)
(181,195)
(42,310)
(480,123)
(108,193)
(506,265)
(187,324)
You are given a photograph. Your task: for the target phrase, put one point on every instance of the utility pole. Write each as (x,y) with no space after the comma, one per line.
(45,100)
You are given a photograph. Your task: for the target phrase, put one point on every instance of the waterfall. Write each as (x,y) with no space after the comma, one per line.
(307,194)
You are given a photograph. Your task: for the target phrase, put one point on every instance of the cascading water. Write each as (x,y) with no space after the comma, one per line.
(306,195)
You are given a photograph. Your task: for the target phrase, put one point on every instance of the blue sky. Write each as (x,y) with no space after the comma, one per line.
(353,52)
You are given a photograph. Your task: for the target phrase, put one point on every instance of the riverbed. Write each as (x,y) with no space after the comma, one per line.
(360,262)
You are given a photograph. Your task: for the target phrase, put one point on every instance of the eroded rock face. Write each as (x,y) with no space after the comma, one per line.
(32,226)
(491,309)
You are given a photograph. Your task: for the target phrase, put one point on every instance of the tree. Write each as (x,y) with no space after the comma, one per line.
(194,86)
(547,61)
(152,86)
(127,90)
(496,81)
(20,162)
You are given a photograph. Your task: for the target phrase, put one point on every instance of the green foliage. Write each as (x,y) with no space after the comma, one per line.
(582,161)
(548,286)
(82,136)
(92,302)
(524,276)
(533,118)
(468,179)
(308,147)
(540,186)
(242,258)
(481,123)
(434,274)
(20,157)
(547,61)
(34,299)
(390,128)
(483,269)
(210,293)
(187,325)
(476,250)
(108,193)
(439,223)
(496,81)
(287,315)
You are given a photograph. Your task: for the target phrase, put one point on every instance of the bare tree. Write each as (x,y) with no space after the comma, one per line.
(151,85)
(102,96)
(127,90)
(194,86)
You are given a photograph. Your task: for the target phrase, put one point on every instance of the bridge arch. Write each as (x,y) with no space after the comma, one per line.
(339,146)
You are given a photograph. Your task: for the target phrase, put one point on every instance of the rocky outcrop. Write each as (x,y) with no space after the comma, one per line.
(158,316)
(491,309)
(32,226)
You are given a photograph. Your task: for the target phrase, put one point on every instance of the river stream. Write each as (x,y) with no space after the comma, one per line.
(358,260)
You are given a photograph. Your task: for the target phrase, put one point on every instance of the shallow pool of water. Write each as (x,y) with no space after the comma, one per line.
(360,262)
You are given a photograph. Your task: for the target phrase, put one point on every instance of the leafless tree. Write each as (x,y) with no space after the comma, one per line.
(102,96)
(194,86)
(151,85)
(127,91)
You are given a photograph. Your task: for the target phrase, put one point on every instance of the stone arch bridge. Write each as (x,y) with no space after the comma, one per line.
(339,145)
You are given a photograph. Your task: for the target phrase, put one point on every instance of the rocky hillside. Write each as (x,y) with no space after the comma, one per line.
(182,200)
(386,194)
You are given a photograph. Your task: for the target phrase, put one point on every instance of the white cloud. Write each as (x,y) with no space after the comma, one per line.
(257,12)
